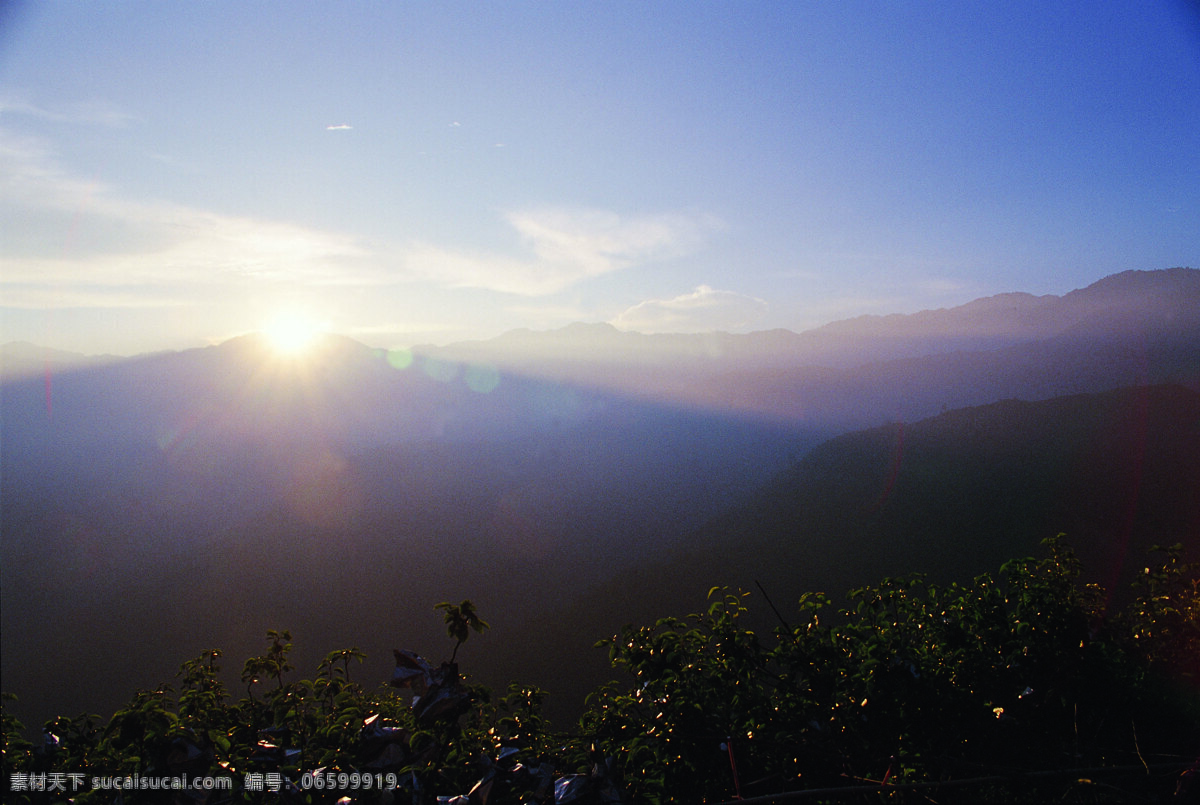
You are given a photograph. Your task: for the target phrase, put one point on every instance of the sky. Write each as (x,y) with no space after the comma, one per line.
(176,174)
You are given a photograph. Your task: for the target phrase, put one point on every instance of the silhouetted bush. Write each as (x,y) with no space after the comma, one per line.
(1004,688)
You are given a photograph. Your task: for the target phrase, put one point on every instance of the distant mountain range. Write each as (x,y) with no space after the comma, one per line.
(570,480)
(1133,327)
(1158,302)
(21,359)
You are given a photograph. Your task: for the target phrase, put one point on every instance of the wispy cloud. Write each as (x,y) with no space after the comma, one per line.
(702,310)
(601,240)
(339,127)
(565,247)
(30,176)
(75,241)
(50,296)
(87,112)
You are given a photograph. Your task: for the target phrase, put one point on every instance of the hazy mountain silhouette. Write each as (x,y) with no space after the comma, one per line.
(1118,303)
(21,359)
(1133,327)
(160,505)
(165,504)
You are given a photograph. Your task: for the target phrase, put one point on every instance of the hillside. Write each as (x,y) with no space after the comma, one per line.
(206,496)
(950,496)
(1116,471)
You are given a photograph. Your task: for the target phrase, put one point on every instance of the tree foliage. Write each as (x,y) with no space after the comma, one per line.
(908,683)
(461,620)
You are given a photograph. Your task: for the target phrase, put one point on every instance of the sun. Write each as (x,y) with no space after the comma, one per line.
(291,334)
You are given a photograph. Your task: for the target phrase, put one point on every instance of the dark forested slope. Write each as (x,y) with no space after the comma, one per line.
(950,496)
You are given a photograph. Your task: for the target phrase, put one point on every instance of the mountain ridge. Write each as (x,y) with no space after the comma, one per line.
(1014,315)
(1173,291)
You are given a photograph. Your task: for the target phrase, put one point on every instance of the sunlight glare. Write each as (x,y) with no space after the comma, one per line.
(291,334)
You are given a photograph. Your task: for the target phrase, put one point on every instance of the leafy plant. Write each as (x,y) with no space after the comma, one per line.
(907,684)
(461,620)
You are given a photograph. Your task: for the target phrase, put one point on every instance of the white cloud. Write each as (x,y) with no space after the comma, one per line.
(166,249)
(76,241)
(458,268)
(703,310)
(76,244)
(339,127)
(568,246)
(605,240)
(29,175)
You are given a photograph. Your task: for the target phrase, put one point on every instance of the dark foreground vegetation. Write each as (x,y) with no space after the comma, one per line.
(1013,687)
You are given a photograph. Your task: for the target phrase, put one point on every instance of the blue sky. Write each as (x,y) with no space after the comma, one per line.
(173,174)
